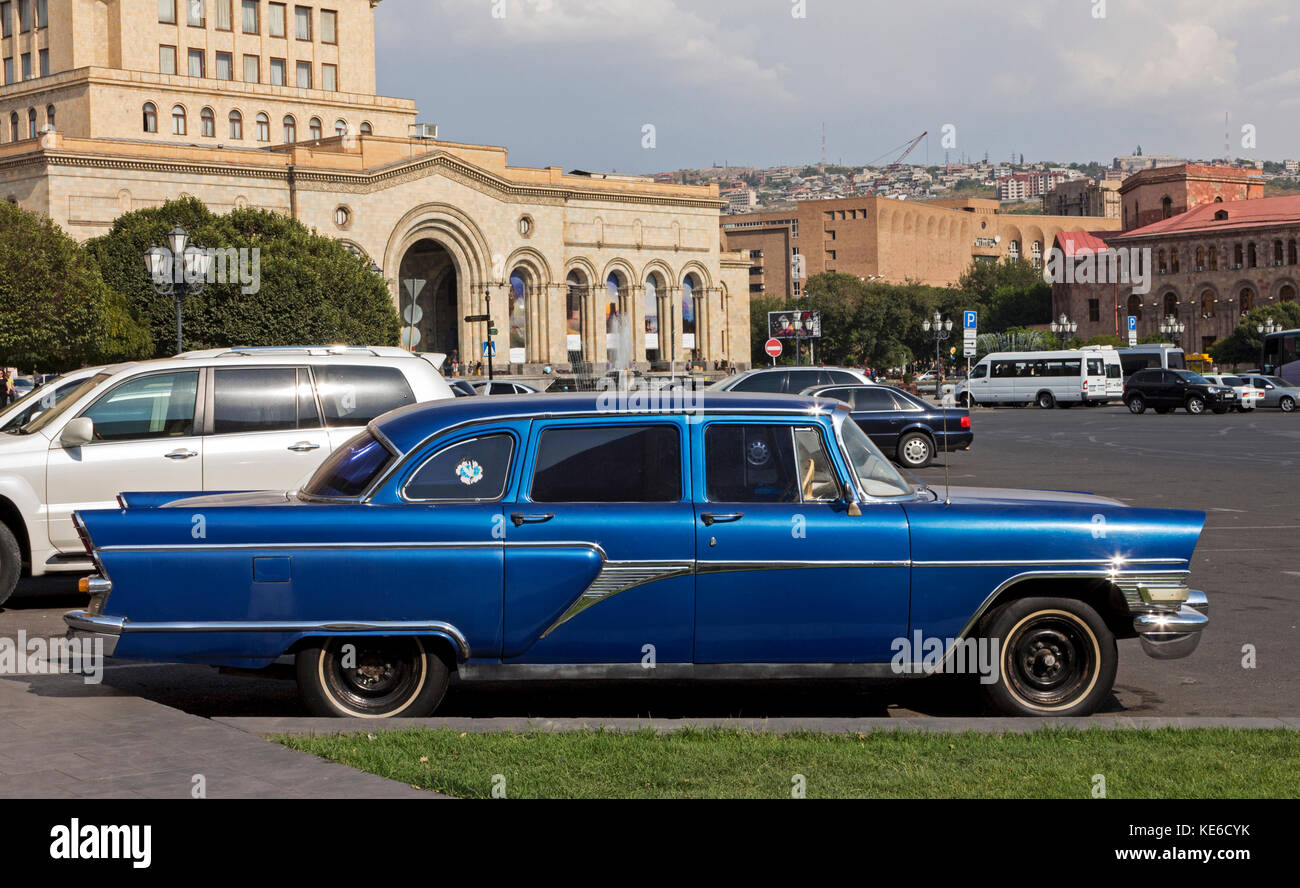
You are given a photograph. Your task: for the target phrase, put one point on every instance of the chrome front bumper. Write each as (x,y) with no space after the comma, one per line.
(1169,635)
(84,625)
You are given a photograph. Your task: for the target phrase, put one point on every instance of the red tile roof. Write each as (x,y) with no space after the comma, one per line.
(1262,212)
(1071,242)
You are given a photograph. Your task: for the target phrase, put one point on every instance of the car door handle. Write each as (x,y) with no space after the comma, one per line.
(181,454)
(711,518)
(520,518)
(304,446)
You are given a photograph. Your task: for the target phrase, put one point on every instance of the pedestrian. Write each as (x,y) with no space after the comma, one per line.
(7,389)
(455,362)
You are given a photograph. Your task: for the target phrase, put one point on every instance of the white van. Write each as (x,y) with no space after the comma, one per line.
(1046,378)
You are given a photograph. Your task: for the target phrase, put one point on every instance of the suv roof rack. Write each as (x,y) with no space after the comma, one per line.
(312,350)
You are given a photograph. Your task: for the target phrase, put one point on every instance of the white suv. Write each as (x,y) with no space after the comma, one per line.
(222,419)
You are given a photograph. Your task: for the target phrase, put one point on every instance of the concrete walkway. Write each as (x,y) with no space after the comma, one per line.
(62,738)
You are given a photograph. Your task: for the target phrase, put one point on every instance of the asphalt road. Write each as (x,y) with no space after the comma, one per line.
(1240,468)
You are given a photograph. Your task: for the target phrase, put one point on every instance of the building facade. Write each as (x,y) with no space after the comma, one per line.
(1084,197)
(875,238)
(1160,193)
(273,105)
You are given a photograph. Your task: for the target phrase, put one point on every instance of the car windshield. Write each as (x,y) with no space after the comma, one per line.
(1232,380)
(350,470)
(1279,381)
(61,406)
(876,474)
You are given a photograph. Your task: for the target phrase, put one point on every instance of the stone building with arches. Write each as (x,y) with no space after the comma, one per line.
(272,105)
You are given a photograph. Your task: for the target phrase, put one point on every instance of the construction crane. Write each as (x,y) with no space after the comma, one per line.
(884,174)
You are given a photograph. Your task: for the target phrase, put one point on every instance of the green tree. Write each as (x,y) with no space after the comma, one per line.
(55,310)
(309,288)
(1244,345)
(1106,339)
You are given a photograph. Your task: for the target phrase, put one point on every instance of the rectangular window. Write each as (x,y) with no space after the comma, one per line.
(329,25)
(475,470)
(329,78)
(167,12)
(6,13)
(275,19)
(9,70)
(24,16)
(250,22)
(157,406)
(252,69)
(302,22)
(196,62)
(304,75)
(1094,310)
(44,55)
(166,60)
(266,399)
(352,395)
(609,464)
(196,13)
(277,72)
(42,13)
(767,464)
(27,65)
(225,66)
(221,8)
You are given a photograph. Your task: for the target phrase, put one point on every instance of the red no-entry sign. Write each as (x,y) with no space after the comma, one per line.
(773,348)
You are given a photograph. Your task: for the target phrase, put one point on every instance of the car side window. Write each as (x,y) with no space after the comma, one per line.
(355,394)
(160,405)
(817,480)
(475,470)
(875,400)
(838,394)
(802,379)
(768,383)
(980,371)
(842,377)
(263,399)
(767,464)
(608,464)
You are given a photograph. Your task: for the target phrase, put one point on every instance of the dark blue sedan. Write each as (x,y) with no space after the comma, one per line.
(902,425)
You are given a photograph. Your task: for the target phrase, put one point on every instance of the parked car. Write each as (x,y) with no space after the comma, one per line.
(789,380)
(1277,391)
(1088,376)
(1167,390)
(1248,397)
(220,419)
(388,571)
(35,402)
(504,387)
(462,388)
(909,429)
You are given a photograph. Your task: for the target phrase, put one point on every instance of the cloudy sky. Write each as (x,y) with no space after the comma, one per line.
(574,83)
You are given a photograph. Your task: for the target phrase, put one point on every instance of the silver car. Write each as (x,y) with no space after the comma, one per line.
(1277,391)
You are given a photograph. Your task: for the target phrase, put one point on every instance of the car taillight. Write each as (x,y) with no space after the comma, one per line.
(965,422)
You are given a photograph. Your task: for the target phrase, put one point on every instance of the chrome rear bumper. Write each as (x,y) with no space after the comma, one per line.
(84,625)
(1169,635)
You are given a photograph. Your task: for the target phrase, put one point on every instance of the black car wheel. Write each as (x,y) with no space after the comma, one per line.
(1046,401)
(915,450)
(11,562)
(371,677)
(1136,404)
(1195,404)
(1056,657)
(1287,404)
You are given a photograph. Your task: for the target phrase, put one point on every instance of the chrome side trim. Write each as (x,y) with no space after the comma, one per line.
(616,577)
(705,567)
(1113,563)
(677,671)
(499,544)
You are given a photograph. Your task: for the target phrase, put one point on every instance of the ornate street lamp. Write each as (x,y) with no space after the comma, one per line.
(1063,326)
(1172,328)
(939,330)
(1268,326)
(179,269)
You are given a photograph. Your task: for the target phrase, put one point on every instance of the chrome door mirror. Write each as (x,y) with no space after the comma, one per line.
(77,432)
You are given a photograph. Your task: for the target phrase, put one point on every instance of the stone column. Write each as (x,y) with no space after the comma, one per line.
(636,317)
(674,324)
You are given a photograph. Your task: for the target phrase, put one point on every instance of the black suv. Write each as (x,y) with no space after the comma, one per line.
(1166,390)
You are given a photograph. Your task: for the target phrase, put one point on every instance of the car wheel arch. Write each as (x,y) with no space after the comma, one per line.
(1097,592)
(12,517)
(448,644)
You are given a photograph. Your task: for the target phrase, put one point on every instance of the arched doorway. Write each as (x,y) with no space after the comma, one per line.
(521,287)
(618,330)
(653,288)
(690,289)
(574,299)
(427,290)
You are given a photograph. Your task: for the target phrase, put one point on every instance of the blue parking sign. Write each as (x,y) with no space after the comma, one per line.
(1132,323)
(968,320)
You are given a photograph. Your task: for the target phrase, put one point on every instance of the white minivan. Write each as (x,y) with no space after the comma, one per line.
(222,419)
(1049,379)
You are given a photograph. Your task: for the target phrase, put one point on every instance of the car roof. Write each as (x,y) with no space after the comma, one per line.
(406,427)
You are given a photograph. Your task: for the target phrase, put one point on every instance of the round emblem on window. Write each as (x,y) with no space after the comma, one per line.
(757,453)
(469,472)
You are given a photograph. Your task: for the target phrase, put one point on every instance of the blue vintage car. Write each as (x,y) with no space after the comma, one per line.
(719,535)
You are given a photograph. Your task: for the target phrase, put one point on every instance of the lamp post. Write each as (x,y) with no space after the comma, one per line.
(939,330)
(1172,328)
(1266,327)
(1063,326)
(179,269)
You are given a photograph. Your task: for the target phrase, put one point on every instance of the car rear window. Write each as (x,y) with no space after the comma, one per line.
(608,464)
(769,383)
(355,394)
(350,470)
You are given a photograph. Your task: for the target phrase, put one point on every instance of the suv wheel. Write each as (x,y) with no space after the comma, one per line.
(1195,404)
(1136,404)
(11,563)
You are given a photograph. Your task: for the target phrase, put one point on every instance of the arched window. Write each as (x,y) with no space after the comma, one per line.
(1171,304)
(208,123)
(1246,299)
(1252,257)
(366,128)
(690,289)
(263,123)
(1135,307)
(236,125)
(1207,303)
(150,117)
(573,308)
(13,126)
(653,284)
(1200,258)
(49,116)
(314,128)
(1013,251)
(1036,253)
(1173,261)
(519,314)
(1214,259)
(1162,263)
(290,129)
(1166,207)
(1287,293)
(31,123)
(178,120)
(1277,252)
(1290,252)
(1237,259)
(340,127)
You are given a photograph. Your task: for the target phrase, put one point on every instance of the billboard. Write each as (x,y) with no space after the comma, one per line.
(794,324)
